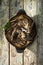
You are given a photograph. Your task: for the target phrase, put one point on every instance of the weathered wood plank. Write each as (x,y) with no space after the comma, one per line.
(4,9)
(15,58)
(30,53)
(40,32)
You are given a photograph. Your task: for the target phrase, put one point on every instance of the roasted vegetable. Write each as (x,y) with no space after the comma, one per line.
(20,30)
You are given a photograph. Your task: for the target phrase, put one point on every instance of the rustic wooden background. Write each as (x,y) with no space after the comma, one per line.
(33,54)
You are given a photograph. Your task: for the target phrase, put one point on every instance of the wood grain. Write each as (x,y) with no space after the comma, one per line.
(33,54)
(40,32)
(4,56)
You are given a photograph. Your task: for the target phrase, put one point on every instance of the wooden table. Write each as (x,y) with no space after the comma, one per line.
(33,54)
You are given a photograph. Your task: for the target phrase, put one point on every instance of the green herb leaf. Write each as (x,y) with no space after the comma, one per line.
(7,26)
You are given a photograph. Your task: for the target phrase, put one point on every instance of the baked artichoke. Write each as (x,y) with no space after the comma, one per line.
(20,30)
